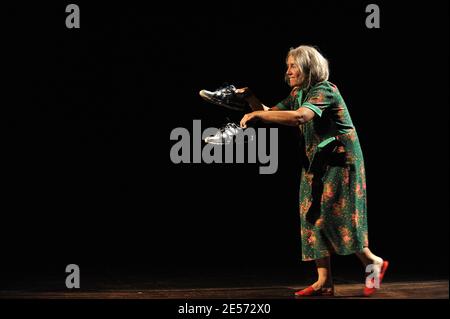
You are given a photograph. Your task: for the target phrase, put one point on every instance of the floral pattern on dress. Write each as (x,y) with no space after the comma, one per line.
(333,210)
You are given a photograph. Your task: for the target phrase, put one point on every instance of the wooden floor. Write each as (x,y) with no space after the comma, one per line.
(392,290)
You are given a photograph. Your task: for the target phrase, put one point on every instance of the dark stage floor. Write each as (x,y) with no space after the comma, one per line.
(208,286)
(393,290)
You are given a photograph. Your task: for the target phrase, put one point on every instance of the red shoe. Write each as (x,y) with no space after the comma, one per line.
(370,291)
(310,291)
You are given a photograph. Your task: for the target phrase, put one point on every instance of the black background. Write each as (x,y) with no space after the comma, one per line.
(87,173)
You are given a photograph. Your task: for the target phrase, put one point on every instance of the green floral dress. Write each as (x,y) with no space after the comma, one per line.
(333,211)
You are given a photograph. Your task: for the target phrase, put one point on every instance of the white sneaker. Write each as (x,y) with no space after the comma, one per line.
(227,134)
(226,96)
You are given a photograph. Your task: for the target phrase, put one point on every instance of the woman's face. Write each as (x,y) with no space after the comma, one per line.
(293,72)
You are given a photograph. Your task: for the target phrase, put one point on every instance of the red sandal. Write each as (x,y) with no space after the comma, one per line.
(370,291)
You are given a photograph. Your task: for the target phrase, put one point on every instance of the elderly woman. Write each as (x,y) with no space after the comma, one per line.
(333,210)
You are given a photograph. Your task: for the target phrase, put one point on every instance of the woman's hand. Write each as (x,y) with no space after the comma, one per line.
(249,117)
(245,93)
(251,99)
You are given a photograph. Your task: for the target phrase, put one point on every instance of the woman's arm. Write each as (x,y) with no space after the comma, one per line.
(291,118)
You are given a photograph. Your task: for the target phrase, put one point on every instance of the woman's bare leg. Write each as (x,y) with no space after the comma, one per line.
(367,257)
(324,272)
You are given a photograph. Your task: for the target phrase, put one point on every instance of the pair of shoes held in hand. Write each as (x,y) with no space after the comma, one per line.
(227,96)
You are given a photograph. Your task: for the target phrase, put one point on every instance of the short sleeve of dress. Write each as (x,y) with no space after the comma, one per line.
(320,97)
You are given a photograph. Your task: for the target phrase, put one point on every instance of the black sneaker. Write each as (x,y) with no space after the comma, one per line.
(226,96)
(228,134)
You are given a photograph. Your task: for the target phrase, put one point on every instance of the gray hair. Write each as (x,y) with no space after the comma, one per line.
(311,63)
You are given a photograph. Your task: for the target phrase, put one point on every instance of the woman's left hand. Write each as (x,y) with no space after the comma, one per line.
(250,117)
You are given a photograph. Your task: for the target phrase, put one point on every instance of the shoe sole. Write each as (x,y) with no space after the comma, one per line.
(208,98)
(215,143)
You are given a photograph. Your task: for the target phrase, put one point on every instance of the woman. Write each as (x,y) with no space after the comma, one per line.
(333,186)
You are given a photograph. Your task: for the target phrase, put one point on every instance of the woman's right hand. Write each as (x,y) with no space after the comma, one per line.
(252,100)
(244,92)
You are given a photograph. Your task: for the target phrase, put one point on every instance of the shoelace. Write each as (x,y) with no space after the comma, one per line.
(226,89)
(228,130)
(229,126)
